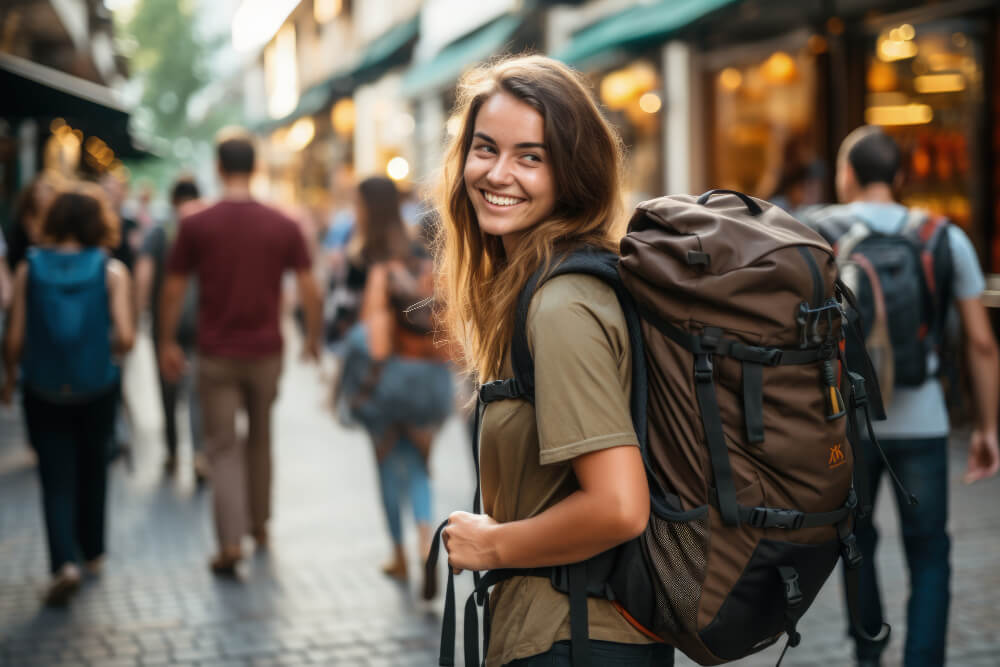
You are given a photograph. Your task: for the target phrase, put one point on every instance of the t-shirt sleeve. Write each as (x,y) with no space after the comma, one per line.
(298,255)
(968,276)
(183,255)
(579,342)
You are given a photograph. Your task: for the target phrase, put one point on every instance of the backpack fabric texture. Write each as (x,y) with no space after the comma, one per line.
(902,282)
(737,320)
(67,355)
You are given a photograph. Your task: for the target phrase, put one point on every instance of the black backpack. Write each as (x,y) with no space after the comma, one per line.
(905,277)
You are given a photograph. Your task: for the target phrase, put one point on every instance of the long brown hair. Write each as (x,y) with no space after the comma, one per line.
(478,283)
(381,232)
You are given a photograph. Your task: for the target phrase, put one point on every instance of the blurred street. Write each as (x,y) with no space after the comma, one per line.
(318,596)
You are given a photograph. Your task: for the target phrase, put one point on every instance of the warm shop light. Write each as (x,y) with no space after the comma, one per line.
(730,79)
(902,114)
(256,22)
(301,133)
(342,117)
(56,125)
(325,11)
(650,103)
(939,83)
(398,168)
(907,32)
(779,68)
(891,50)
(281,68)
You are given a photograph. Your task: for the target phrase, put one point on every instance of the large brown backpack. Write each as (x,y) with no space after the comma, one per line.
(738,402)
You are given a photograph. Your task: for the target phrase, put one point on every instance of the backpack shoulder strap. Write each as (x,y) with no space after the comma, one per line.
(603,265)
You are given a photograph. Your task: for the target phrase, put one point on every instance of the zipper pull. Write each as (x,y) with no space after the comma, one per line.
(835,407)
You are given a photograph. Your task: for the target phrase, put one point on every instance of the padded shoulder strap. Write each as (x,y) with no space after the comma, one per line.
(600,264)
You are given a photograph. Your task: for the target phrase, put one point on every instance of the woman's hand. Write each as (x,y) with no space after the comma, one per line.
(470,542)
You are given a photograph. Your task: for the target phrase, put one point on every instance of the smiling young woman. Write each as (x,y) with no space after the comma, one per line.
(536,172)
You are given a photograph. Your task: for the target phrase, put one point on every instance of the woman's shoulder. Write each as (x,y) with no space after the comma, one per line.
(576,293)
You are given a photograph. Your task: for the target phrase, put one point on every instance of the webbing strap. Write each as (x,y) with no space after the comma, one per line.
(480,597)
(770,517)
(753,401)
(711,420)
(579,623)
(728,347)
(446,656)
(852,585)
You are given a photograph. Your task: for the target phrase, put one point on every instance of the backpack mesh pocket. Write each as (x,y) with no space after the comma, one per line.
(678,554)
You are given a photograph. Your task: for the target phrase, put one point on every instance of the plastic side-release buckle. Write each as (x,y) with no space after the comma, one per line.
(703,369)
(851,552)
(768,517)
(793,592)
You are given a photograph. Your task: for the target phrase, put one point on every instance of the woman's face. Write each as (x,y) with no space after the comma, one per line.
(507,172)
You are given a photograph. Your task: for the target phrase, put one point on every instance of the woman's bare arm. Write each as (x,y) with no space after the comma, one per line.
(120,297)
(611,507)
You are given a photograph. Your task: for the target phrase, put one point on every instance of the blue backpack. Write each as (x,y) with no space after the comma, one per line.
(67,354)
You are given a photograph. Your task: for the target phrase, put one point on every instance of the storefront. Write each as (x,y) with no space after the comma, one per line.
(767,135)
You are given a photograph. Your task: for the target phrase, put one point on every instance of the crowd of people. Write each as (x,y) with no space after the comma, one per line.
(532,177)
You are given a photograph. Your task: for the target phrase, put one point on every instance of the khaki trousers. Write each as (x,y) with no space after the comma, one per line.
(241,468)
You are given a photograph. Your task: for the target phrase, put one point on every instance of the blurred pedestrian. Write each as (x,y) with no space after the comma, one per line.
(915,435)
(534,170)
(149,277)
(395,377)
(239,250)
(115,185)
(346,272)
(28,216)
(71,313)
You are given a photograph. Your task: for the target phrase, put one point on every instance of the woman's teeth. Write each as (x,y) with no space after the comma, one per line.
(497,200)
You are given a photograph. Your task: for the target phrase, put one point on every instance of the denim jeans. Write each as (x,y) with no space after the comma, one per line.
(403,471)
(606,654)
(71,442)
(922,467)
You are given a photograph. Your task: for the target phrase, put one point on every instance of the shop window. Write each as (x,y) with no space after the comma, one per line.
(766,135)
(925,87)
(632,99)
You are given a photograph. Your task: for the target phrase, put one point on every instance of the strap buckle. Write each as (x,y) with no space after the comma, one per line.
(769,517)
(703,369)
(851,552)
(793,592)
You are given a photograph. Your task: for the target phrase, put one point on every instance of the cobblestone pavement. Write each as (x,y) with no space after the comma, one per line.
(318,597)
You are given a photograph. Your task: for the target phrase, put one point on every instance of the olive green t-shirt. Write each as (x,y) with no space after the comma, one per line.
(583,367)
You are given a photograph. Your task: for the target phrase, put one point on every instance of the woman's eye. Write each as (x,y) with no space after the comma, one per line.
(484,148)
(531,157)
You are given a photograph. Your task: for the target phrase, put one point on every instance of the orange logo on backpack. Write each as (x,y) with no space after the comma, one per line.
(837,457)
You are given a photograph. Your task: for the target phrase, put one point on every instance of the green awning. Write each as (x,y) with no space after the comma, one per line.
(389,49)
(636,27)
(386,51)
(444,69)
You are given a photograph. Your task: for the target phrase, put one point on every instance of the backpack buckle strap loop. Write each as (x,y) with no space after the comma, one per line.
(703,369)
(500,390)
(769,517)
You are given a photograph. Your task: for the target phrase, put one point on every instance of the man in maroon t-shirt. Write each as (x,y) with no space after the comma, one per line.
(239,250)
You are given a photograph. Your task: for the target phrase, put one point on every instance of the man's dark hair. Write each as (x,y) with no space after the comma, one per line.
(236,155)
(185,189)
(875,158)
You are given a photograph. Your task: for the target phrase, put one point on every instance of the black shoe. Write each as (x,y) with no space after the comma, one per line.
(870,662)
